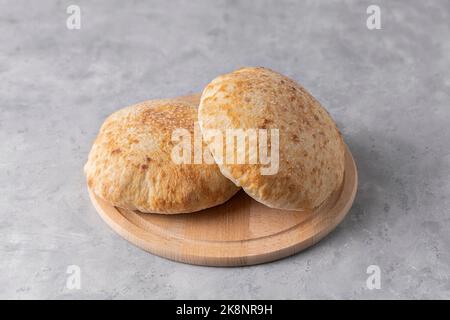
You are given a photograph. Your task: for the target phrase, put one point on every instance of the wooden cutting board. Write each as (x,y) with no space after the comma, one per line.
(239,232)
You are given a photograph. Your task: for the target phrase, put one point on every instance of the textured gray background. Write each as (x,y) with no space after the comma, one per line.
(388,89)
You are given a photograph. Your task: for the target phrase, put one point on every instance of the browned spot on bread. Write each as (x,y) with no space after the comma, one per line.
(266,122)
(116,151)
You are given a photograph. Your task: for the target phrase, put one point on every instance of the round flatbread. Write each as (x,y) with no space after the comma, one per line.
(131,164)
(296,171)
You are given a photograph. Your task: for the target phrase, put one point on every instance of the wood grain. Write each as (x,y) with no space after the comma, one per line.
(239,232)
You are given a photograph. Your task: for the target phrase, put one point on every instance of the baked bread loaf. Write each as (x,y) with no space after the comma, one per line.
(130,164)
(310,147)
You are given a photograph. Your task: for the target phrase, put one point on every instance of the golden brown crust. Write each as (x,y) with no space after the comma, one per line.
(311,149)
(130,162)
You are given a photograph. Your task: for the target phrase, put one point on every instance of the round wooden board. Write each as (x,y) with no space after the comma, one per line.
(239,232)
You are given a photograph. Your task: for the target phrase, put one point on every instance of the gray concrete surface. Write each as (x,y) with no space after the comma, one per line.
(388,89)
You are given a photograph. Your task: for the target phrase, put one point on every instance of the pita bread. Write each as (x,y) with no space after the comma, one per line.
(311,150)
(130,163)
